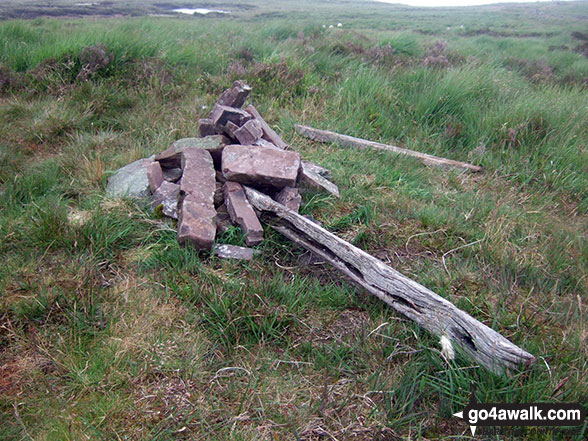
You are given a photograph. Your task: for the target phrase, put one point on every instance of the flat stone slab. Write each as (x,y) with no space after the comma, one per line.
(235,252)
(196,218)
(206,127)
(290,197)
(260,166)
(219,197)
(268,133)
(196,224)
(249,132)
(154,175)
(220,115)
(310,176)
(171,157)
(199,177)
(230,128)
(130,180)
(210,143)
(166,196)
(222,219)
(262,142)
(172,174)
(242,213)
(235,96)
(315,168)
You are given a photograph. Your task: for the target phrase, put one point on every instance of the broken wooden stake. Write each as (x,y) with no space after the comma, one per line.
(406,296)
(350,141)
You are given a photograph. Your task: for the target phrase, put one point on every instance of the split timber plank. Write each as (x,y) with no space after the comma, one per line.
(429,310)
(350,141)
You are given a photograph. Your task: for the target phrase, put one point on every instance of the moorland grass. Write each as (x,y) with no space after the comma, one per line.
(111,330)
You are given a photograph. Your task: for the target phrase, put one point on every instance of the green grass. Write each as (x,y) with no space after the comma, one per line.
(110,330)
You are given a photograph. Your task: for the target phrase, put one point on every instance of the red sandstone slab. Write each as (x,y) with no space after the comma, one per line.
(206,127)
(309,176)
(219,197)
(222,219)
(199,176)
(260,166)
(264,143)
(172,174)
(154,175)
(268,133)
(196,224)
(196,217)
(166,197)
(220,115)
(235,96)
(290,197)
(242,213)
(171,157)
(230,129)
(249,132)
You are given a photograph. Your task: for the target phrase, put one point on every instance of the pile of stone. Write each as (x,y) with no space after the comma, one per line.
(199,181)
(239,165)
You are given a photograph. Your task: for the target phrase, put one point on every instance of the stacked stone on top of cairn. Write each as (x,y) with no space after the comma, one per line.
(199,181)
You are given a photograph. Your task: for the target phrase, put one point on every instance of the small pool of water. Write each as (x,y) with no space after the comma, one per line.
(200,11)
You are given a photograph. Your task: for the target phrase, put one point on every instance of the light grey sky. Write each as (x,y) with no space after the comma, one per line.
(453,2)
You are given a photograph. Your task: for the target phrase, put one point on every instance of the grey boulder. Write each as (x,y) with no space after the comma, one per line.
(130,180)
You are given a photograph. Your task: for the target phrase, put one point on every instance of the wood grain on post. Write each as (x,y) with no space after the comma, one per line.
(429,310)
(350,141)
